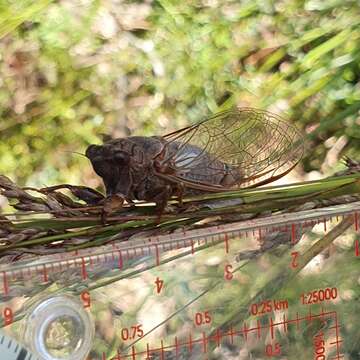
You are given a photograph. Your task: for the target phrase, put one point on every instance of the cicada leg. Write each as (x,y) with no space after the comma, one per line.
(111,204)
(231,176)
(160,196)
(160,164)
(179,192)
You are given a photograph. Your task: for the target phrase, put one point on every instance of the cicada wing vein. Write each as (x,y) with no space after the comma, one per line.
(236,148)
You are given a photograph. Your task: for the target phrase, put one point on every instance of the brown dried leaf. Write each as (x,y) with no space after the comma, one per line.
(26,206)
(16,238)
(6,183)
(12,191)
(5,223)
(84,193)
(90,196)
(65,200)
(53,204)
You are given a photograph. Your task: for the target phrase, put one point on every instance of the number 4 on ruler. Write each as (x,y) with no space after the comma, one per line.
(159,285)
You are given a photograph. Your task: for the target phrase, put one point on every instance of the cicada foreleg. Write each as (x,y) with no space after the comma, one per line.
(111,204)
(179,192)
(160,196)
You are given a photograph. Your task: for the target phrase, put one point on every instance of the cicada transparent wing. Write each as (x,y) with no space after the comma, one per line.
(240,147)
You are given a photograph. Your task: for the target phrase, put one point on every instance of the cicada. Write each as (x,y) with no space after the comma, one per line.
(237,148)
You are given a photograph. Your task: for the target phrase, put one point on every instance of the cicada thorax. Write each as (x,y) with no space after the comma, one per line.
(127,166)
(141,151)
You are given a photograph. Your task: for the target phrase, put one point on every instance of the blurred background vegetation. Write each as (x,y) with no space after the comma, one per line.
(71,70)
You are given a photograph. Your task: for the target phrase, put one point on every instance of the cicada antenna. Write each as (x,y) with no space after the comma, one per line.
(74,152)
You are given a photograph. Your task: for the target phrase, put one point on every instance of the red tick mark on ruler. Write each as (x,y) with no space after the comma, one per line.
(118,355)
(176,347)
(133,353)
(285,324)
(157,255)
(356,221)
(218,337)
(231,335)
(190,343)
(245,331)
(258,329)
(120,260)
(83,269)
(226,240)
(293,234)
(45,275)
(204,341)
(5,284)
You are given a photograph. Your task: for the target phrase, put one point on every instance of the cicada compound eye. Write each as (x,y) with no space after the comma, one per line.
(92,151)
(121,157)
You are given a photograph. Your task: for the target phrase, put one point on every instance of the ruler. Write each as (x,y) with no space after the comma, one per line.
(198,295)
(12,350)
(155,245)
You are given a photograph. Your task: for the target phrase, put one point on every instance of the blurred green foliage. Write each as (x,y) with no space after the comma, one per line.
(72,70)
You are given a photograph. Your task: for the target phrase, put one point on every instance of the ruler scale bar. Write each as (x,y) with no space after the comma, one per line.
(203,340)
(188,238)
(118,256)
(12,350)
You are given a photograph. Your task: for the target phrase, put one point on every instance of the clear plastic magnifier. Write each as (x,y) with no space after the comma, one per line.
(58,328)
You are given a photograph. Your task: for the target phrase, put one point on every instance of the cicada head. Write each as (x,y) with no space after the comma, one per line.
(112,164)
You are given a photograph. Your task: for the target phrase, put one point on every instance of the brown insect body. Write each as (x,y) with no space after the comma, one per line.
(233,149)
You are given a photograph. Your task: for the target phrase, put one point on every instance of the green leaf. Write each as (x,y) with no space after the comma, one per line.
(307,92)
(336,41)
(11,17)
